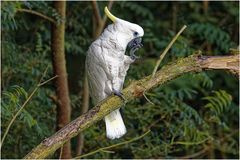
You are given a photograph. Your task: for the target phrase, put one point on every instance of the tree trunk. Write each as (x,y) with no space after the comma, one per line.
(59,67)
(84,109)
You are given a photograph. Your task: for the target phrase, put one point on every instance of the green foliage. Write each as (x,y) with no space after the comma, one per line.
(79,30)
(25,56)
(139,10)
(43,7)
(8,12)
(11,101)
(187,115)
(218,102)
(214,35)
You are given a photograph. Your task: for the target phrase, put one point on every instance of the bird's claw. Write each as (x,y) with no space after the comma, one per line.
(133,50)
(134,57)
(119,94)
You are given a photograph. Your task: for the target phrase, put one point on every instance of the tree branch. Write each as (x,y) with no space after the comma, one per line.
(103,20)
(37,13)
(110,4)
(194,63)
(96,12)
(218,62)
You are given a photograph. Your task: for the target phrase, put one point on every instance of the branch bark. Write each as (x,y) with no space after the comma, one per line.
(59,66)
(194,63)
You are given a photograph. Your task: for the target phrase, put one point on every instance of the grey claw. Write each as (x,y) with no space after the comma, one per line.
(119,94)
(132,55)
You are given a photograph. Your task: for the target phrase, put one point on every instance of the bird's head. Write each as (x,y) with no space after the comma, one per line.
(128,34)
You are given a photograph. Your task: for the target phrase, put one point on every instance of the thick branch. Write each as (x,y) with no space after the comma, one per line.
(218,62)
(194,63)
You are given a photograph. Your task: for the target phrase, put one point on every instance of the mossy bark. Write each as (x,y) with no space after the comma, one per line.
(59,67)
(194,63)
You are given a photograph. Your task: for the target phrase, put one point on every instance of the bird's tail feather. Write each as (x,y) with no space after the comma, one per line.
(115,127)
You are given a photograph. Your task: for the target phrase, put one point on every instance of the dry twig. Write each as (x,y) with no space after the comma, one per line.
(166,50)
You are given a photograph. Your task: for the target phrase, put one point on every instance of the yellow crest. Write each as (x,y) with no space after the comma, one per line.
(109,15)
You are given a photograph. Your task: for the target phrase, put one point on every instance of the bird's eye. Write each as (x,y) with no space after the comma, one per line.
(135,34)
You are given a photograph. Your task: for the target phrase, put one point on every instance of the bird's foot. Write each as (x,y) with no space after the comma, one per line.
(119,94)
(133,50)
(134,57)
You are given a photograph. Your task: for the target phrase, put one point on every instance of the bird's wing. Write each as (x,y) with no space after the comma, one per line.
(97,75)
(114,62)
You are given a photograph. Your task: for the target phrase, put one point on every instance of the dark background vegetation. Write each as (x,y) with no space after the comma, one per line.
(195,115)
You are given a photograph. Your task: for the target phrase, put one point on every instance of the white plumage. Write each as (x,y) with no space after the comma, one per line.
(107,65)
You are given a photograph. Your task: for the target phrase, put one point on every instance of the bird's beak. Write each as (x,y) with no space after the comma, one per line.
(109,15)
(135,43)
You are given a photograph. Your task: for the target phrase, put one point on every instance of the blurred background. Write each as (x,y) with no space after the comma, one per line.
(193,116)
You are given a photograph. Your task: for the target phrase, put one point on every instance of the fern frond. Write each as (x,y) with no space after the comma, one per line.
(218,102)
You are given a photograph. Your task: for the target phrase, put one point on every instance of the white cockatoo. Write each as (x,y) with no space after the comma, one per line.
(107,65)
